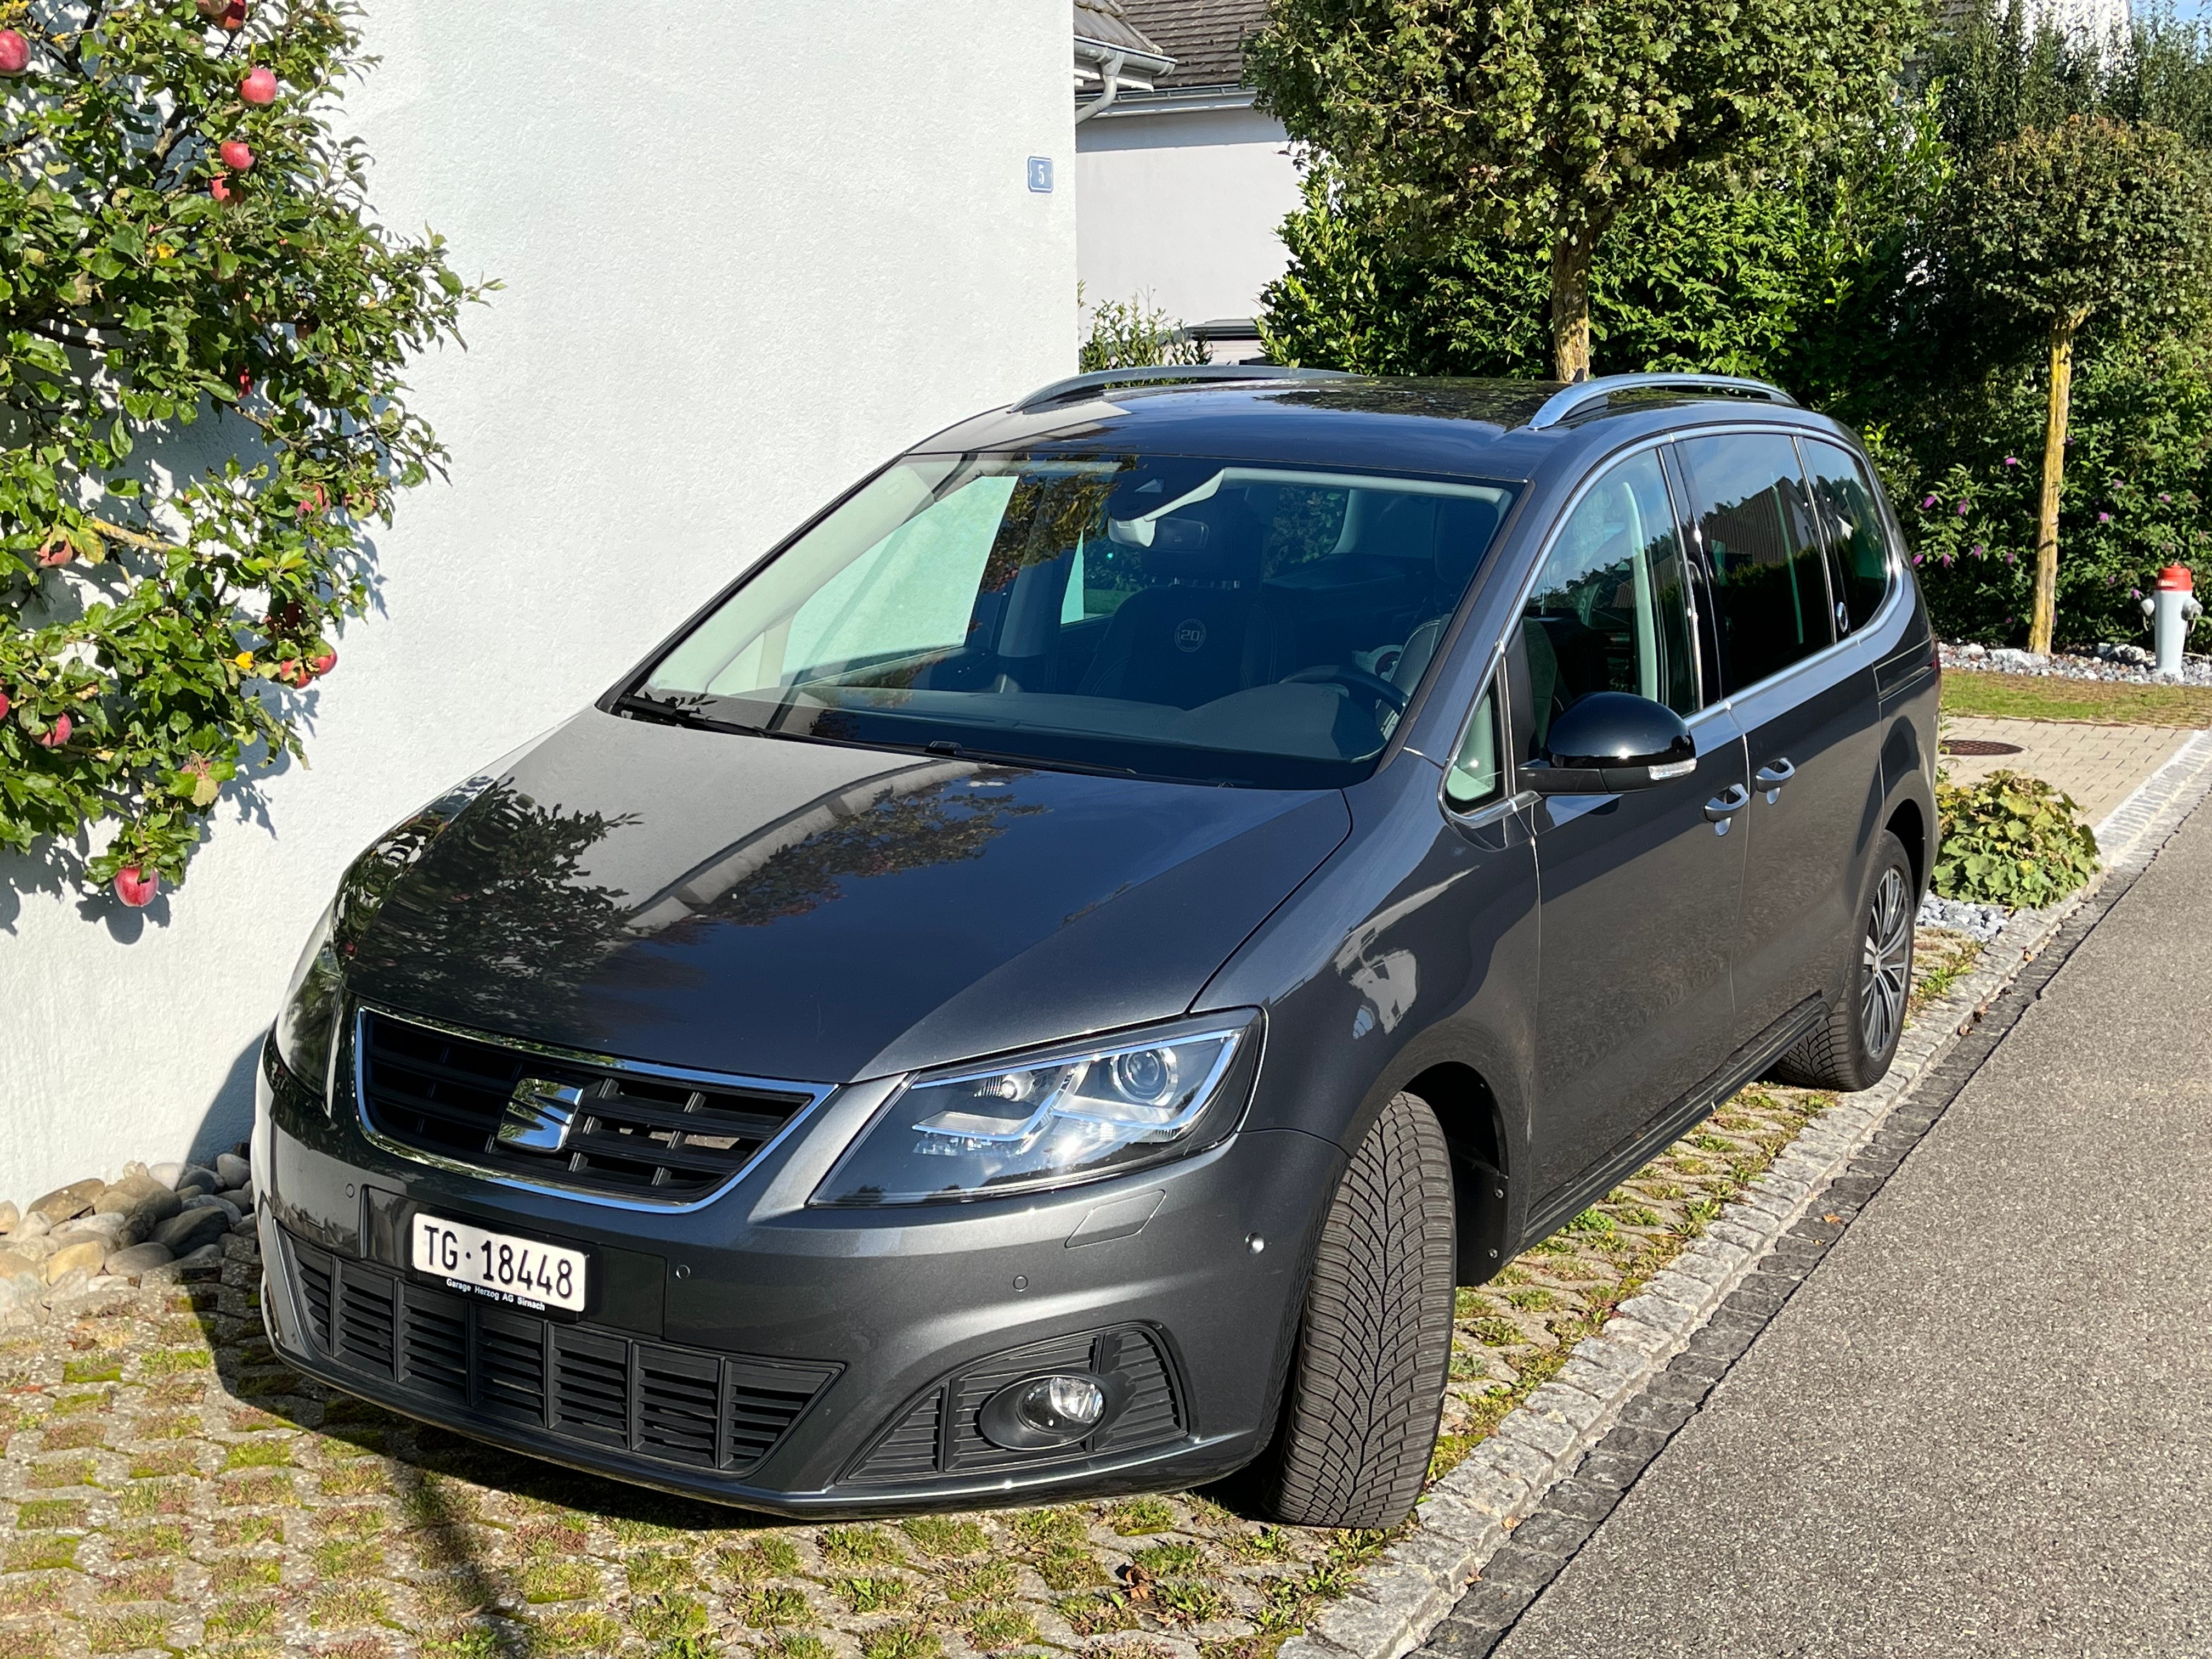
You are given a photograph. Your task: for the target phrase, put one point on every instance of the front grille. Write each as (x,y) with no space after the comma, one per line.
(709,1411)
(938,1435)
(631,1134)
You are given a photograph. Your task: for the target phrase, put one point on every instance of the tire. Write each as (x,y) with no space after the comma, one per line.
(1853,1048)
(1367,1380)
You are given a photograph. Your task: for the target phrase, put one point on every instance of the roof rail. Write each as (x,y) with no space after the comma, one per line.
(1059,390)
(1575,398)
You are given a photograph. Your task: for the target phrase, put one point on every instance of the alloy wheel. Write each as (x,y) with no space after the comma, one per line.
(1888,964)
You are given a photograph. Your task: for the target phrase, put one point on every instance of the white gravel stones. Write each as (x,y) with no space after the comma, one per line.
(2130,663)
(1981,921)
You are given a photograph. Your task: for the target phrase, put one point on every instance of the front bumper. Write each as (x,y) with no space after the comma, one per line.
(867,1326)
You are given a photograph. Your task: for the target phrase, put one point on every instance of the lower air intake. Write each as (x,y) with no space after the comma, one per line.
(458,1357)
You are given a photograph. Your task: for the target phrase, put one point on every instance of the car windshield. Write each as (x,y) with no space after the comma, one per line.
(1167,615)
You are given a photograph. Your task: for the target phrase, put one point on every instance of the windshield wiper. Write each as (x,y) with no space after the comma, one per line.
(1035,763)
(640,707)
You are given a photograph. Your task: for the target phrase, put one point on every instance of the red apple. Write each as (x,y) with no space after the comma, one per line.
(55,553)
(245,382)
(14,53)
(4,705)
(233,16)
(57,734)
(292,674)
(218,188)
(136,887)
(317,500)
(236,154)
(322,661)
(258,87)
(212,9)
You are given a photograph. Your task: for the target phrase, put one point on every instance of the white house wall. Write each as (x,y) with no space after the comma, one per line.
(1183,208)
(750,251)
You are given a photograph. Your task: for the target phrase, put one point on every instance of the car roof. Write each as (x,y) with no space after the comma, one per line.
(1492,428)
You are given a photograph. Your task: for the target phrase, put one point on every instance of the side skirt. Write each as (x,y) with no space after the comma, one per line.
(1677,1120)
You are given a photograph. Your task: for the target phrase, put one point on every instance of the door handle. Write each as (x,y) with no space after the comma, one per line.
(1720,809)
(1773,775)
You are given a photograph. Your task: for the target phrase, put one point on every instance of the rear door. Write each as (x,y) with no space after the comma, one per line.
(1805,701)
(1638,891)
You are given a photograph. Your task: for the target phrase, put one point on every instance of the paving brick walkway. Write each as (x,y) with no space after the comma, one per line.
(1963,1410)
(2099,765)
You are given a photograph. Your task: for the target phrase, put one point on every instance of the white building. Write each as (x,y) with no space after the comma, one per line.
(1180,183)
(750,250)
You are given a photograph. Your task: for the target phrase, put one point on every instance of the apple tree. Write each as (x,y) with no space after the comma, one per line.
(202,335)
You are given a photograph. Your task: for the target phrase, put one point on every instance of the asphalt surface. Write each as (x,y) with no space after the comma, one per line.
(1983,1424)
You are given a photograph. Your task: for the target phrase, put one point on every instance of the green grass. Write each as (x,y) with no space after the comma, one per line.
(258,1455)
(1065,1568)
(865,1595)
(38,1554)
(125,1632)
(859,1546)
(568,1632)
(349,1606)
(50,1512)
(1140,1517)
(940,1535)
(242,1573)
(2034,697)
(668,1618)
(995,1628)
(559,1581)
(779,1604)
(139,1543)
(653,1571)
(909,1641)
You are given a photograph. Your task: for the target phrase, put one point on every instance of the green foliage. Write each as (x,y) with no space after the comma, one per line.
(1131,334)
(1542,119)
(1842,276)
(2012,841)
(172,604)
(2092,215)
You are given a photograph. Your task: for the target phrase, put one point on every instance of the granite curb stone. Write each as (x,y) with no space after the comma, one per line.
(1393,1609)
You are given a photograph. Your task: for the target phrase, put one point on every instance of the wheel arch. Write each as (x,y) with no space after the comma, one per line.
(1467,1110)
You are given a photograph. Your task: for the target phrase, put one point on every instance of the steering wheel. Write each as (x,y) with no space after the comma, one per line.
(1355,680)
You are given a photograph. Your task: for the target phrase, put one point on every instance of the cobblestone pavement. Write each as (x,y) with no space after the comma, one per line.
(167,1484)
(2099,765)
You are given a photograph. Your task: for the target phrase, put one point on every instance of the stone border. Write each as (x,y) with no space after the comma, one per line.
(1466,1516)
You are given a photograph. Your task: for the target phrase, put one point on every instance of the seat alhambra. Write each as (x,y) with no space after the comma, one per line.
(1046,985)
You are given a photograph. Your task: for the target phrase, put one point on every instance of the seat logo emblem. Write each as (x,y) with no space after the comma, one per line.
(539,1115)
(1190,634)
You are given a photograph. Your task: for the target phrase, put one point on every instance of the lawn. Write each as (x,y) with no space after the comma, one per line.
(2034,697)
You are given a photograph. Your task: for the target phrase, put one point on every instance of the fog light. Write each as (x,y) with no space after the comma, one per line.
(1058,1410)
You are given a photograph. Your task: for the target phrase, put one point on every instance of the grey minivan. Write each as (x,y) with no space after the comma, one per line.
(1045,985)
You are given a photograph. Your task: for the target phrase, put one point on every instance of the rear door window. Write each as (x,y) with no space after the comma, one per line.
(1858,550)
(1763,546)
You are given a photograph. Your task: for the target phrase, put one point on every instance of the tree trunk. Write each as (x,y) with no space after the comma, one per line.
(2045,618)
(1570,326)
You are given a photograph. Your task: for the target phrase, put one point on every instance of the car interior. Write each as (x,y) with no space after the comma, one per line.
(1248,608)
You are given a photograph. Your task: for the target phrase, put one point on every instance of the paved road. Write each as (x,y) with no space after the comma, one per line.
(1983,1425)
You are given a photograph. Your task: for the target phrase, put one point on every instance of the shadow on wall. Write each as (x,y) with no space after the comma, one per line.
(228,1118)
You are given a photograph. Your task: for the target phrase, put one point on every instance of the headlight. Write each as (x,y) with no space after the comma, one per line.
(1050,1118)
(308,1023)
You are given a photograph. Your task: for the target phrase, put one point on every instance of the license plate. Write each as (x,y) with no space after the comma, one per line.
(499,1265)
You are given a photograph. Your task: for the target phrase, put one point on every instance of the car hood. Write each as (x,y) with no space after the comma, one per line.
(820,913)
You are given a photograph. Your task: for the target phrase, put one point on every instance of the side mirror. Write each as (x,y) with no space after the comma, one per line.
(1611,741)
